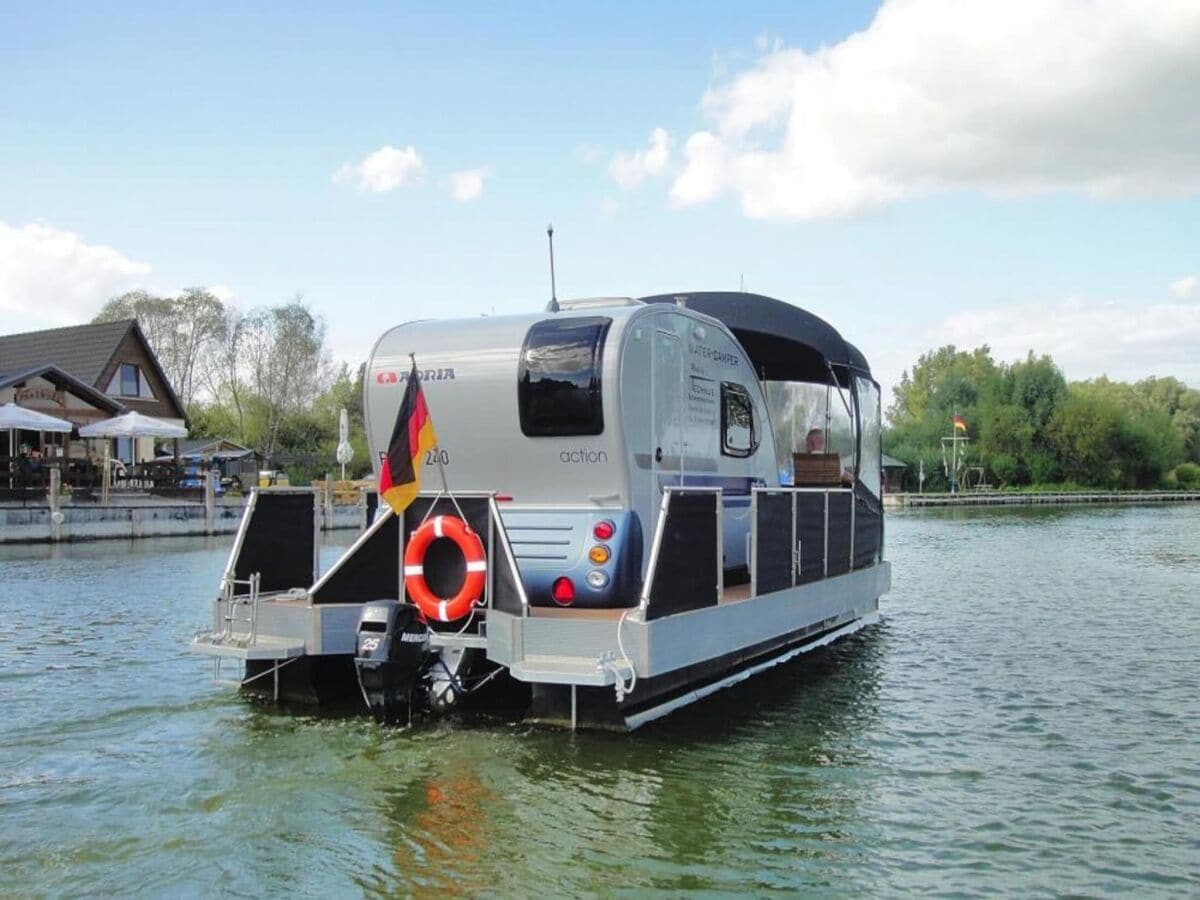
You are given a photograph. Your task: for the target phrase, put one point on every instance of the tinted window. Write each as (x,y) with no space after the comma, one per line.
(738,434)
(558,381)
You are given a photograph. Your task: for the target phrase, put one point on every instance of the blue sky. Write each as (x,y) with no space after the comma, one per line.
(926,172)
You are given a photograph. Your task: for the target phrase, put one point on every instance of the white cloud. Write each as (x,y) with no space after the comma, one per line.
(53,276)
(629,170)
(1091,96)
(1125,340)
(1184,287)
(608,206)
(467,185)
(384,170)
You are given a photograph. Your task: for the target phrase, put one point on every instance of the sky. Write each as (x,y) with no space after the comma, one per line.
(917,172)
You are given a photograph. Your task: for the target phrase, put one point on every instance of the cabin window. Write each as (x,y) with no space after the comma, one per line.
(739,437)
(130,380)
(558,379)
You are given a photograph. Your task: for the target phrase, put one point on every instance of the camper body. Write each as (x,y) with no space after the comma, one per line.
(580,417)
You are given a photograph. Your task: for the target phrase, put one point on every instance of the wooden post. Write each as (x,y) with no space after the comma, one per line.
(328,501)
(54,500)
(210,502)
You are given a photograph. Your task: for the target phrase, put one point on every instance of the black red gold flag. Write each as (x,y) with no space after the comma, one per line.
(412,438)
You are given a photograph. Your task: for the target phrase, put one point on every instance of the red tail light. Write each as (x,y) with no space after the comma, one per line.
(604,530)
(563,591)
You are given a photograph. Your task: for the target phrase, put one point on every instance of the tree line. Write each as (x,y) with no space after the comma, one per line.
(264,378)
(1027,426)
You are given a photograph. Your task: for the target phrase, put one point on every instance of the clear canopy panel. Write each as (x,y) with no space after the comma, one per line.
(870,470)
(810,418)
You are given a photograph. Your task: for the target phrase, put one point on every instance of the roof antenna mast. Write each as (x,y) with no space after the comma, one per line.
(553,305)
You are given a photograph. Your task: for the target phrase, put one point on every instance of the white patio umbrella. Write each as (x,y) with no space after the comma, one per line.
(17,418)
(345,452)
(130,424)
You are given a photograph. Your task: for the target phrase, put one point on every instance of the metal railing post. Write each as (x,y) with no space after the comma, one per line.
(825,553)
(853,505)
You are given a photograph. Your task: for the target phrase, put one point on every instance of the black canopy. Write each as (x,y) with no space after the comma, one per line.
(784,342)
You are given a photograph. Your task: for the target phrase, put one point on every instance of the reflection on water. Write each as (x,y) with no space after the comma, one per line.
(1022,721)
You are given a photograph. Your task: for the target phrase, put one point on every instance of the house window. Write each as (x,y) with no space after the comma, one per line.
(130,380)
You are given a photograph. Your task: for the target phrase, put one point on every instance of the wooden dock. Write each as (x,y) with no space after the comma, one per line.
(1037,498)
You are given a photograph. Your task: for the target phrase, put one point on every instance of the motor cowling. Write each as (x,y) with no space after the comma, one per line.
(390,657)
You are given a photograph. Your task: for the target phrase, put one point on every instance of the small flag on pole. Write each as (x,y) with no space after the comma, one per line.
(960,423)
(412,437)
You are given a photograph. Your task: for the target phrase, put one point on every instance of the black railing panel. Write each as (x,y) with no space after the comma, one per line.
(686,571)
(772,541)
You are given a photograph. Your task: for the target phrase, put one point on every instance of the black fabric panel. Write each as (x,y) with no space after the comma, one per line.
(810,532)
(474,508)
(372,573)
(839,533)
(279,542)
(773,542)
(686,574)
(868,530)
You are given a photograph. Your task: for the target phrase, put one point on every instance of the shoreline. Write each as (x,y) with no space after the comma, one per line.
(142,517)
(1035,498)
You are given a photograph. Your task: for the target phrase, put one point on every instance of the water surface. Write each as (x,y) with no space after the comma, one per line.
(1025,719)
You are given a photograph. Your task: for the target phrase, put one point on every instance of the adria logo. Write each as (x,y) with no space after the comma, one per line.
(427,375)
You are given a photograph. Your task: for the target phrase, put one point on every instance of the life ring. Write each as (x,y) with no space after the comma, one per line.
(435,607)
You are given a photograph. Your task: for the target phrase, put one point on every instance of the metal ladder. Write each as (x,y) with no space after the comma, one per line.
(231,608)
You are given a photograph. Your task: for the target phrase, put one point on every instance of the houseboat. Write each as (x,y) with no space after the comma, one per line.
(631,504)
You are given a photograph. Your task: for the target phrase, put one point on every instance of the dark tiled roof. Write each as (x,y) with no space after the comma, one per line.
(64,381)
(80,350)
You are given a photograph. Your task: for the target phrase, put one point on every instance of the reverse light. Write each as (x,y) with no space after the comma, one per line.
(604,530)
(597,579)
(599,555)
(563,591)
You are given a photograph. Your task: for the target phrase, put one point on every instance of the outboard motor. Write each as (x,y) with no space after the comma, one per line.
(391,652)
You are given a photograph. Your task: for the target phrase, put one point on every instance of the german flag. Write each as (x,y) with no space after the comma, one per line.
(412,437)
(960,423)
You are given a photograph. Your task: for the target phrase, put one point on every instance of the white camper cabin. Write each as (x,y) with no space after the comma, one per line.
(670,493)
(583,416)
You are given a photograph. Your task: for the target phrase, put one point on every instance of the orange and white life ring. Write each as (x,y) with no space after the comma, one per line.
(450,608)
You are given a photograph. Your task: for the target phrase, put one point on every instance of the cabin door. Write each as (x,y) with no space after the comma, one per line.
(666,411)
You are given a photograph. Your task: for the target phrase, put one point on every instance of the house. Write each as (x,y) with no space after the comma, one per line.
(893,474)
(84,373)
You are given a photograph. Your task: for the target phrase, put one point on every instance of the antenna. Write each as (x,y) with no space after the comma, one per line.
(553,305)
(741,282)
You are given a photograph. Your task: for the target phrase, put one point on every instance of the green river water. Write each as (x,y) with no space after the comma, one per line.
(1025,719)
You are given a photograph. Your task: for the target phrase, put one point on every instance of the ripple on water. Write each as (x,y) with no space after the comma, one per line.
(1022,720)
